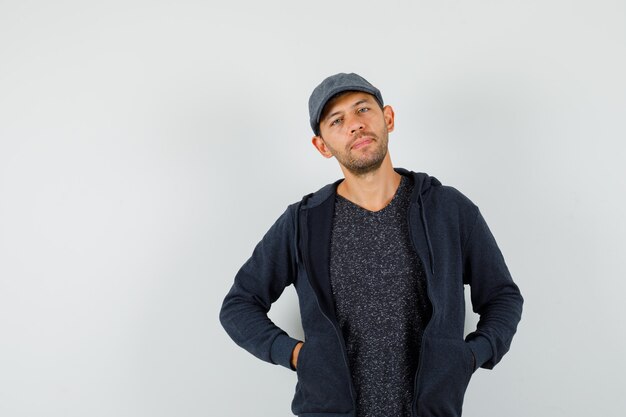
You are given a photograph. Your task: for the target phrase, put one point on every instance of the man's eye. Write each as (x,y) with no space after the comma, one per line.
(335,122)
(363,109)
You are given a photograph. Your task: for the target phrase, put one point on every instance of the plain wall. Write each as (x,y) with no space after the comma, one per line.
(146,147)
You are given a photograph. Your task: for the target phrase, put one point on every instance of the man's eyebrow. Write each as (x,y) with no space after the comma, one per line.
(358,103)
(330,116)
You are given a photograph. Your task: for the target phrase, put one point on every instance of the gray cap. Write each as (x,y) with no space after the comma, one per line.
(333,85)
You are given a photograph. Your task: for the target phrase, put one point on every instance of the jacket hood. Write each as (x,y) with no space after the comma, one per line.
(422,183)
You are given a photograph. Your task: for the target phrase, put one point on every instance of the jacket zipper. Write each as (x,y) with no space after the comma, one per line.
(337,333)
(419,365)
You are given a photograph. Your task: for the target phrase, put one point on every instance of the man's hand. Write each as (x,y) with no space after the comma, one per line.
(294,355)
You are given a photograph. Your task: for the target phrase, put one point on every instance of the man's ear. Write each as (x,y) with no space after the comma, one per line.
(320,145)
(389,116)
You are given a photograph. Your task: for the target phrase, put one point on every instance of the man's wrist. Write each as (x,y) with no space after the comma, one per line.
(294,355)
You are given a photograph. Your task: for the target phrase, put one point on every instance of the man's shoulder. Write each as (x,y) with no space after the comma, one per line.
(439,190)
(451,194)
(316,198)
(442,200)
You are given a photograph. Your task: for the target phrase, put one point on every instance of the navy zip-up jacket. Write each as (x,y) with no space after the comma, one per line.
(457,248)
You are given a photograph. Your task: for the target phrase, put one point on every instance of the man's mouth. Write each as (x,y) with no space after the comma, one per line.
(362,142)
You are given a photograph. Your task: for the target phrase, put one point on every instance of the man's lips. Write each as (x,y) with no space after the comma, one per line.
(362,142)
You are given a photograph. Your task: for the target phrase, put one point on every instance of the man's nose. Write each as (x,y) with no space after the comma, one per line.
(355,124)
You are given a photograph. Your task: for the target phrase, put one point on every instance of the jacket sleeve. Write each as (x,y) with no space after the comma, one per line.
(259,282)
(495,297)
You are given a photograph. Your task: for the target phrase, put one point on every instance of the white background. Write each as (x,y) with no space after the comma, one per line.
(146,146)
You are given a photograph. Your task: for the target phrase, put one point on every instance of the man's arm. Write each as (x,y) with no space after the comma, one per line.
(259,282)
(495,297)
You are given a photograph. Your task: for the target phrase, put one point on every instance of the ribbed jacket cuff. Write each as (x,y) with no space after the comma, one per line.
(281,350)
(481,348)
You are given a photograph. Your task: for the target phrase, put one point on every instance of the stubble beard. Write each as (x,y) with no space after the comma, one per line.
(360,165)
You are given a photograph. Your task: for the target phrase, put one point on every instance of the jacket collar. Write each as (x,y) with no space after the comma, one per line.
(422,182)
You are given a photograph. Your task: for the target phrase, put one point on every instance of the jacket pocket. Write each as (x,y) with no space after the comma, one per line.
(447,366)
(300,362)
(322,385)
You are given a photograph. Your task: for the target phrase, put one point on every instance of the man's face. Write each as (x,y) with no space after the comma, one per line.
(355,130)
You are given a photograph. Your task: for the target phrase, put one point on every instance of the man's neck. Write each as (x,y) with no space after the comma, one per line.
(372,191)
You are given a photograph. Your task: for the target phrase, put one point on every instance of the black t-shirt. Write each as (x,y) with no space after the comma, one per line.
(378,284)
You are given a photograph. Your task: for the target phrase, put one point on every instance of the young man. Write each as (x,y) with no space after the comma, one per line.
(379,261)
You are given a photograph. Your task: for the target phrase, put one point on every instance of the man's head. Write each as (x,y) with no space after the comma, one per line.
(350,122)
(334,86)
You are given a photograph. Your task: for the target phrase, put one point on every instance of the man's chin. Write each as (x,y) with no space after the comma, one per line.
(364,169)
